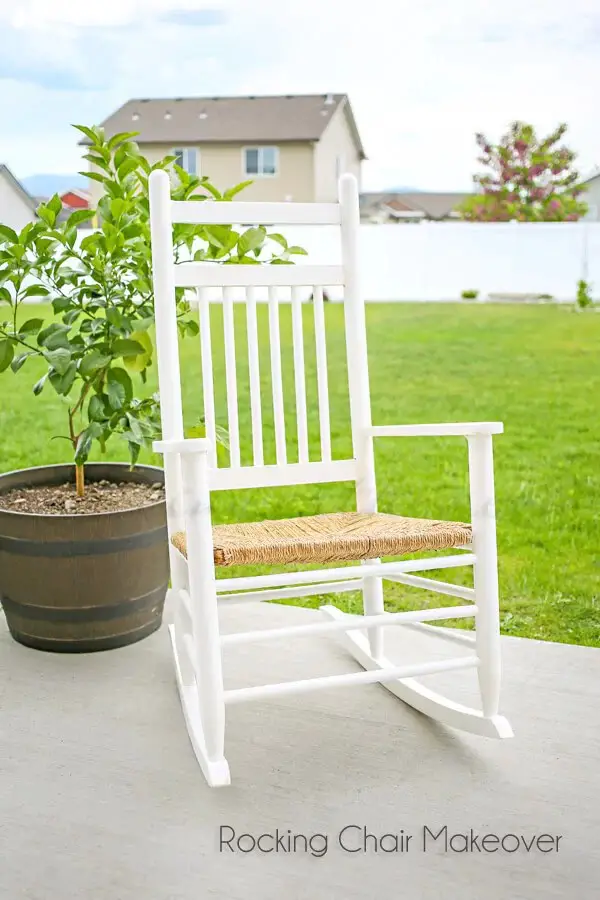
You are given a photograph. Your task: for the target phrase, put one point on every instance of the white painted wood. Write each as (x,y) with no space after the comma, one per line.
(231,380)
(276,379)
(282,475)
(169,376)
(485,570)
(376,676)
(182,446)
(254,373)
(432,704)
(360,400)
(192,474)
(447,634)
(459,429)
(200,274)
(322,375)
(299,376)
(203,597)
(350,623)
(247,213)
(207,372)
(306,590)
(216,772)
(314,576)
(439,587)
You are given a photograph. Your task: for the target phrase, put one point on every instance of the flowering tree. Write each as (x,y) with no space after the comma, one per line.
(527,178)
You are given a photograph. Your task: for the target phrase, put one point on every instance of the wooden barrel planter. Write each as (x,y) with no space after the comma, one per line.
(79,583)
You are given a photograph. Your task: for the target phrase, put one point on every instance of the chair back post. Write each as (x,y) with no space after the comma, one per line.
(165,313)
(356,347)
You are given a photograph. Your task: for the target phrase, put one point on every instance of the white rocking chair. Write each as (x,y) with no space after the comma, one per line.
(192,475)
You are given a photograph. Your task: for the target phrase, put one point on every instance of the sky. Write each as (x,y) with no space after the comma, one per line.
(422,75)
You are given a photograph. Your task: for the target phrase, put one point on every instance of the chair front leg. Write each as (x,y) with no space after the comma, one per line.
(203,597)
(483,520)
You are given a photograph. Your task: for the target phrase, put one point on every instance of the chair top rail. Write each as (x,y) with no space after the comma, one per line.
(214,212)
(211,275)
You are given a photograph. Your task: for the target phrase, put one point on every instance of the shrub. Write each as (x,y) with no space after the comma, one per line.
(98,347)
(470,295)
(584,297)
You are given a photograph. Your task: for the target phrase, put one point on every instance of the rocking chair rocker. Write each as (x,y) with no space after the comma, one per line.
(192,474)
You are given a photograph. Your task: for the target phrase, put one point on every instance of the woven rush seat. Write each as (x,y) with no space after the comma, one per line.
(335,537)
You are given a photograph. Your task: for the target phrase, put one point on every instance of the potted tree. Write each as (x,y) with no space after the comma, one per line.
(83,546)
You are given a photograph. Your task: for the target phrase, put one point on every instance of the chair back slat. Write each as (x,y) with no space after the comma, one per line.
(299,375)
(276,378)
(207,371)
(254,377)
(322,379)
(201,274)
(231,380)
(207,212)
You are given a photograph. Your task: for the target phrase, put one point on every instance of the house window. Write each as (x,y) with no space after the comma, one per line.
(187,159)
(261,160)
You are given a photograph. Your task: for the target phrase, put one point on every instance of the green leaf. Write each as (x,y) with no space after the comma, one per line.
(279,238)
(95,176)
(46,214)
(36,290)
(96,408)
(79,216)
(7,352)
(18,361)
(89,132)
(232,191)
(59,359)
(30,326)
(140,361)
(54,336)
(5,296)
(127,167)
(39,385)
(211,190)
(8,234)
(134,452)
(62,384)
(251,240)
(92,362)
(119,388)
(120,137)
(85,441)
(298,251)
(127,347)
(55,204)
(117,207)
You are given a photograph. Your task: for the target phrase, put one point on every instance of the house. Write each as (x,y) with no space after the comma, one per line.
(292,147)
(392,207)
(17,206)
(592,195)
(75,198)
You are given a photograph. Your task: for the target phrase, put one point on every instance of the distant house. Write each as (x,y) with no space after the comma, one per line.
(592,195)
(292,147)
(75,199)
(17,206)
(392,207)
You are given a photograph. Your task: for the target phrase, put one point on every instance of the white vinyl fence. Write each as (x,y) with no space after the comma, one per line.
(438,260)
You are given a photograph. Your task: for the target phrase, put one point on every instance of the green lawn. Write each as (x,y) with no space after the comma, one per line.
(534,367)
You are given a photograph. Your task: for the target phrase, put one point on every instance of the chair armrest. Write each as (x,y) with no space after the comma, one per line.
(460,429)
(182,446)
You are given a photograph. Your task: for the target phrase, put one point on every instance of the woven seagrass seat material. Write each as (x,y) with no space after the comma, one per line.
(332,537)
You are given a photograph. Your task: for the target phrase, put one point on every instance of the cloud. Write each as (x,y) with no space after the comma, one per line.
(199,18)
(422,77)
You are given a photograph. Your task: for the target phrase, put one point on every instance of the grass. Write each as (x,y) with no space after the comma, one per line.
(533,367)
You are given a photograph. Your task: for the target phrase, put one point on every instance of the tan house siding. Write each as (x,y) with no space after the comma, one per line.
(337,143)
(592,198)
(224,165)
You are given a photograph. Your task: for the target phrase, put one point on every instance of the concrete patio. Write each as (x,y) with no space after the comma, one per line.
(101,797)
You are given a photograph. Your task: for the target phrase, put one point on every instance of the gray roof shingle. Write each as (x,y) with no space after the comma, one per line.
(187,120)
